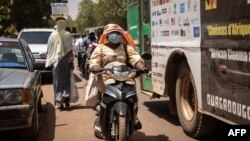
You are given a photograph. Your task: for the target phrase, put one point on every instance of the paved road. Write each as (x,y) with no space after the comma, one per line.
(76,124)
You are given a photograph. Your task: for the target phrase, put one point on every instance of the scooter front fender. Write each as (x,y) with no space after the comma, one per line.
(121,108)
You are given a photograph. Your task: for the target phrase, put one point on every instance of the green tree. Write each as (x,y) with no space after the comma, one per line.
(18,14)
(105,11)
(30,13)
(5,22)
(86,16)
(112,11)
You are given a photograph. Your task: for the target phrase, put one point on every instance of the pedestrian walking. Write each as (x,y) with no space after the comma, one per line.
(60,57)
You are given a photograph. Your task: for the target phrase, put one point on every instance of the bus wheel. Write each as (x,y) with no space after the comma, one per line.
(194,123)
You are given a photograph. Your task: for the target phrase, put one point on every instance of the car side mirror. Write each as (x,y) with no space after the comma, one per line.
(38,66)
(146,56)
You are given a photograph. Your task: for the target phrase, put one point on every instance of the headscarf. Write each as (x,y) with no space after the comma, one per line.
(59,44)
(126,37)
(60,26)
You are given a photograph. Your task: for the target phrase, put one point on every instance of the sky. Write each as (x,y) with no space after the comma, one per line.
(73,7)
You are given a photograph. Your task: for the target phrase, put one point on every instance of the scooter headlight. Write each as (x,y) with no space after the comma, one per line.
(121,76)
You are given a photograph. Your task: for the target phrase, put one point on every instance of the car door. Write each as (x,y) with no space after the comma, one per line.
(35,83)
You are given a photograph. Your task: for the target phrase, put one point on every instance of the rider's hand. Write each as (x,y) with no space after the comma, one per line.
(145,70)
(95,69)
(139,65)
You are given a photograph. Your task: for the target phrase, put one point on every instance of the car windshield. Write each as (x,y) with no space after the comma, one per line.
(11,55)
(35,37)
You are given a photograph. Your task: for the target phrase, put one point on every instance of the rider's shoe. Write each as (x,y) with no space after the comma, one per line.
(138,124)
(97,109)
(97,129)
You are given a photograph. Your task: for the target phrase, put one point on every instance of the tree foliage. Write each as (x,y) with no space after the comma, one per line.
(105,11)
(23,14)
(5,23)
(86,16)
(18,14)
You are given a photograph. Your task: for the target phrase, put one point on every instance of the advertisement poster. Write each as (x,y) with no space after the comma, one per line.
(175,20)
(225,59)
(174,23)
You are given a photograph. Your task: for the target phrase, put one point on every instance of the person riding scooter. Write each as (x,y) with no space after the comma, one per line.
(78,46)
(116,47)
(89,44)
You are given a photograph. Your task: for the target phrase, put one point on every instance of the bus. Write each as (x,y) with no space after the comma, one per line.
(200,58)
(139,28)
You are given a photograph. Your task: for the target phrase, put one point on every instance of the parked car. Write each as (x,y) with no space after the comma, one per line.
(20,88)
(37,39)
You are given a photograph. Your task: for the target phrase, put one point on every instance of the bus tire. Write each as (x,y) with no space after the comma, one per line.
(193,122)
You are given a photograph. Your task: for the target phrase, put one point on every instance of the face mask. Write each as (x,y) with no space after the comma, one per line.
(114,38)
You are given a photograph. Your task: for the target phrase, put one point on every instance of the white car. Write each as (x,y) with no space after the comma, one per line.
(37,39)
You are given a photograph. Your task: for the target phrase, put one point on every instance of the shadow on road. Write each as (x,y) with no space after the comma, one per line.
(77,78)
(161,109)
(78,107)
(47,123)
(141,136)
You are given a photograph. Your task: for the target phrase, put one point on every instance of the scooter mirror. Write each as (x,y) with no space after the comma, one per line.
(146,56)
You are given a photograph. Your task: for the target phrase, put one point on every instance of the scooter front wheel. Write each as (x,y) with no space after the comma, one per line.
(122,129)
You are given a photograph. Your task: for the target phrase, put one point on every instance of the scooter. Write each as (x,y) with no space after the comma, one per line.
(85,68)
(82,58)
(118,107)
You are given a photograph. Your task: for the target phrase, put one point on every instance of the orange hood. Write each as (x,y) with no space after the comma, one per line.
(126,37)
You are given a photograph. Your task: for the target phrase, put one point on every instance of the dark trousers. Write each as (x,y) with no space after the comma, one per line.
(79,59)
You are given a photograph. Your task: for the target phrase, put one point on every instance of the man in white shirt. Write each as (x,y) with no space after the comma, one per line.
(78,49)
